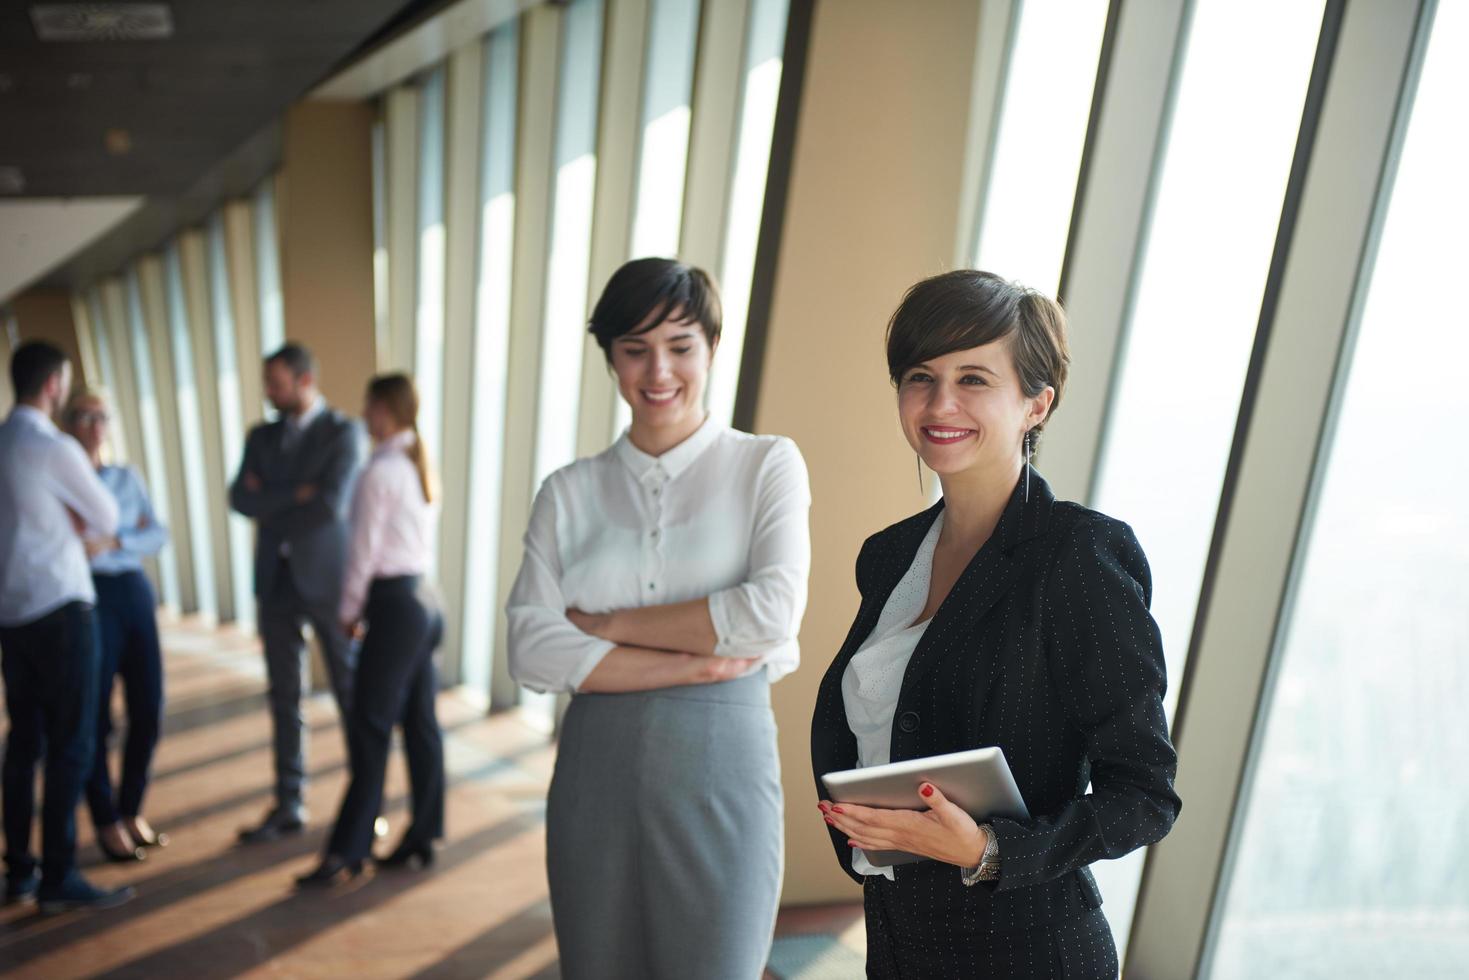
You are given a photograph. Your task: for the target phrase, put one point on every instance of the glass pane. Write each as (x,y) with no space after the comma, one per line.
(668,83)
(491,341)
(1196,308)
(116,438)
(268,271)
(1353,861)
(428,326)
(154,473)
(231,412)
(567,269)
(764,51)
(381,312)
(1048,95)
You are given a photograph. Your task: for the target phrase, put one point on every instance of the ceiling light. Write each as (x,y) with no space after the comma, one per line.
(119,142)
(102,21)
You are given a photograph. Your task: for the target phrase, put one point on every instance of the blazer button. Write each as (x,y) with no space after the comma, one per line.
(908,721)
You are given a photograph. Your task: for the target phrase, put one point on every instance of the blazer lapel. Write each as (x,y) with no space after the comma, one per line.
(985,580)
(888,570)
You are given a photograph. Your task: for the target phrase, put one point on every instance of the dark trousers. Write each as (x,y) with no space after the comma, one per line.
(128,627)
(50,669)
(396,683)
(282,617)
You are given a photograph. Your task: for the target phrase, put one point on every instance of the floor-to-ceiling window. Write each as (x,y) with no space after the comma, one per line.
(1175,397)
(1026,207)
(428,333)
(764,52)
(191,435)
(154,469)
(1352,862)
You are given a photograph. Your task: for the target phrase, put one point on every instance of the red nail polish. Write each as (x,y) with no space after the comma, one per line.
(830,821)
(927,790)
(821,807)
(852,843)
(837,809)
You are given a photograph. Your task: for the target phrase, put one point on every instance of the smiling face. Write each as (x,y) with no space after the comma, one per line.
(662,373)
(967,412)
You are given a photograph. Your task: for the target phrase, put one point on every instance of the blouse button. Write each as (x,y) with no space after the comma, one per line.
(908,721)
(653,534)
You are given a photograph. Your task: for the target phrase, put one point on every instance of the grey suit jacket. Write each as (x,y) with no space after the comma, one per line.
(328,457)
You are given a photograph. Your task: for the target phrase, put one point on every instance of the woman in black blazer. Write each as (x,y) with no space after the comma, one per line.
(1000,616)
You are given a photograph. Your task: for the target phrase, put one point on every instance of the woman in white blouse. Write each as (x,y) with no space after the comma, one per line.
(663,585)
(388,554)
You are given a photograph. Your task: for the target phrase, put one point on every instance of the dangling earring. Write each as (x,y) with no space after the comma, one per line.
(919,460)
(1028,452)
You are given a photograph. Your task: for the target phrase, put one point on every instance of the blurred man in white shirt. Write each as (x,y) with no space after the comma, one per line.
(51,497)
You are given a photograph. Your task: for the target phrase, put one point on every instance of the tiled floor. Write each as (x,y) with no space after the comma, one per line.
(209,909)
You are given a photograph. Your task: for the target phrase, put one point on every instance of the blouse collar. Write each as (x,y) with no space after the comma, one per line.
(674,461)
(399,441)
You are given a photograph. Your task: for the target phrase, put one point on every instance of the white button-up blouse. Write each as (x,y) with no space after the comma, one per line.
(723,515)
(874,676)
(393,526)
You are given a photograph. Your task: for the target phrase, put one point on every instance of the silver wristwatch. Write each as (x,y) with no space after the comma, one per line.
(988,868)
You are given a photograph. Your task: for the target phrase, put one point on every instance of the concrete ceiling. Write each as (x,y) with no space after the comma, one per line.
(148,117)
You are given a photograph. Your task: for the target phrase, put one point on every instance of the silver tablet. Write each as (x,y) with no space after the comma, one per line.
(977,780)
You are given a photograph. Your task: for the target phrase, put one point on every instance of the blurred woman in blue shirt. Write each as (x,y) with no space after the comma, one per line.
(128,630)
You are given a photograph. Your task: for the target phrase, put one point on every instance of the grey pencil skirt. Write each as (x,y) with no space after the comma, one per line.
(664,836)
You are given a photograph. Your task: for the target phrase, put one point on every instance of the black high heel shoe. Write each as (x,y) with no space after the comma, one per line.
(157,840)
(406,853)
(119,857)
(331,871)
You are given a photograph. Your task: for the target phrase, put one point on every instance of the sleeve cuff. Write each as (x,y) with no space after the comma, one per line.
(723,628)
(589,663)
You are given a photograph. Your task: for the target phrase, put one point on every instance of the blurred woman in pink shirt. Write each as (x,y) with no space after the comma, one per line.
(386,602)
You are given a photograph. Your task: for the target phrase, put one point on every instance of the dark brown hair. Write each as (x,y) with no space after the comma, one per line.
(396,393)
(655,288)
(967,308)
(296,357)
(32,365)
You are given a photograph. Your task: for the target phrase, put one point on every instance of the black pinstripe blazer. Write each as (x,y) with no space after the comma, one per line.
(1044,647)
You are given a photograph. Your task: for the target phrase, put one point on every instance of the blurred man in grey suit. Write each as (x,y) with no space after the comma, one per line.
(296,482)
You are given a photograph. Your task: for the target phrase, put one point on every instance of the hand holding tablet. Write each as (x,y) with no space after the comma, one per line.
(977,781)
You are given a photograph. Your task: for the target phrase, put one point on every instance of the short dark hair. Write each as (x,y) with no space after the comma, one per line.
(655,288)
(32,365)
(968,308)
(296,357)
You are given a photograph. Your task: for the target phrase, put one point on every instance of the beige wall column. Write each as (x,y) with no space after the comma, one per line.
(324,207)
(324,215)
(877,168)
(46,314)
